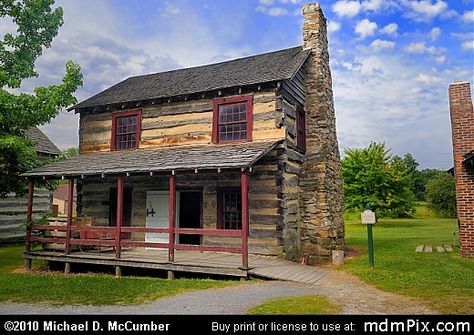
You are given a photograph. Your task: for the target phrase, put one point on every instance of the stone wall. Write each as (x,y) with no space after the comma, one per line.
(321,197)
(462,120)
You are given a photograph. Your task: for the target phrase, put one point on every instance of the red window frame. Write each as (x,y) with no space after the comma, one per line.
(115,117)
(220,205)
(300,128)
(248,100)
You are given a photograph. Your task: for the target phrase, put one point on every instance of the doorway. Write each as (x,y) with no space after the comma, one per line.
(190,215)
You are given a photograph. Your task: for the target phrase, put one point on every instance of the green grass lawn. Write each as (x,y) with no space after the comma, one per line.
(442,281)
(310,304)
(86,289)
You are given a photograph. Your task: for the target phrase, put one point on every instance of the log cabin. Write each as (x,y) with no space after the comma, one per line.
(239,156)
(13,207)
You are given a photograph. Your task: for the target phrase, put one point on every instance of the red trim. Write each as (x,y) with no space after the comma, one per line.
(115,116)
(300,128)
(208,232)
(119,215)
(29,215)
(248,99)
(48,227)
(70,195)
(172,217)
(245,218)
(144,230)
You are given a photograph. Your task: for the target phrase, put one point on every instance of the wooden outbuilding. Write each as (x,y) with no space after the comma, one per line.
(235,157)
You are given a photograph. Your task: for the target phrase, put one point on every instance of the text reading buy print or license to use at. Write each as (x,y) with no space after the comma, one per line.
(279,327)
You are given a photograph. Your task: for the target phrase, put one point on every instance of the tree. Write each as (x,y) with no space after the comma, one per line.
(421,179)
(441,195)
(37,25)
(69,152)
(372,177)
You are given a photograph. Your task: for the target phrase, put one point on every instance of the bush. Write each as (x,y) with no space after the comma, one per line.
(441,195)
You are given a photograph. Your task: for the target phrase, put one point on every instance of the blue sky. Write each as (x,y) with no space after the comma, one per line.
(391,60)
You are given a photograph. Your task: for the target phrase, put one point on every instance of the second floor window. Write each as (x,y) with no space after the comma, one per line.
(126,130)
(232,119)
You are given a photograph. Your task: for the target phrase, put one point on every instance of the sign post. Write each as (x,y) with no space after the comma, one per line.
(368,218)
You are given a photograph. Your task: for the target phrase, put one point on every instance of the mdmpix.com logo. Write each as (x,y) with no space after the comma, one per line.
(411,325)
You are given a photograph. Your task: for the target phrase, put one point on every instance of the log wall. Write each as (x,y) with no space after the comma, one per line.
(13,214)
(179,123)
(266,199)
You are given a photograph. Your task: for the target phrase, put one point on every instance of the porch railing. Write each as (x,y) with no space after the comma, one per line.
(107,237)
(112,236)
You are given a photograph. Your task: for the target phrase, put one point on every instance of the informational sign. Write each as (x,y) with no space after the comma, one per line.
(368,217)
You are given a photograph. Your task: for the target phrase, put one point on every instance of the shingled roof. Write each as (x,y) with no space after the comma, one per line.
(263,68)
(233,156)
(42,144)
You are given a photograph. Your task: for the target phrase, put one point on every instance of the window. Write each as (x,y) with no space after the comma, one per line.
(232,120)
(300,128)
(229,206)
(126,130)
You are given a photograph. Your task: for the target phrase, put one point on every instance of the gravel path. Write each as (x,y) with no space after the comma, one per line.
(343,289)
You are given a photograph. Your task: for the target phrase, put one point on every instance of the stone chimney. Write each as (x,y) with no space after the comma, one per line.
(462,124)
(321,193)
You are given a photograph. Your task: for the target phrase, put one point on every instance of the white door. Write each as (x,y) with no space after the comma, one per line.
(157,215)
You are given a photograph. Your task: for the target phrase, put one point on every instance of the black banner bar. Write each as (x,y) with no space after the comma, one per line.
(235,324)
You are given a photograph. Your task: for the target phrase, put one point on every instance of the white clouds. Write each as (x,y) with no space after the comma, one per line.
(373,5)
(421,48)
(350,8)
(434,33)
(468,45)
(365,28)
(169,10)
(272,11)
(440,59)
(427,79)
(390,29)
(346,8)
(380,45)
(426,10)
(333,26)
(397,102)
(468,16)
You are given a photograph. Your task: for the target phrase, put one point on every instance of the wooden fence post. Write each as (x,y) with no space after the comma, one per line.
(119,216)
(172,217)
(29,219)
(70,203)
(245,217)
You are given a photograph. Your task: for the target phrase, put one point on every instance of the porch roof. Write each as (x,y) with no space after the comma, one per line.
(229,156)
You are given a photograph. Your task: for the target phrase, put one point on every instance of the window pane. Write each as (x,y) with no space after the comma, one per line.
(126,132)
(232,122)
(232,218)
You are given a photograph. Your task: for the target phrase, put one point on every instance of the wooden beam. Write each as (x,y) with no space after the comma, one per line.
(29,219)
(119,215)
(245,216)
(172,217)
(70,203)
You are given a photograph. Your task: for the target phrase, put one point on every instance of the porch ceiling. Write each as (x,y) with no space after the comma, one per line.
(230,156)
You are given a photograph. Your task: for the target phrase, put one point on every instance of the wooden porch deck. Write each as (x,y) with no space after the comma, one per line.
(215,263)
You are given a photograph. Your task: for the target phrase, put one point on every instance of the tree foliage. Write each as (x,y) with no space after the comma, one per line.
(421,178)
(37,25)
(441,195)
(69,152)
(372,177)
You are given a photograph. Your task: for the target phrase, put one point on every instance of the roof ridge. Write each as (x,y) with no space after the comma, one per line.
(218,63)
